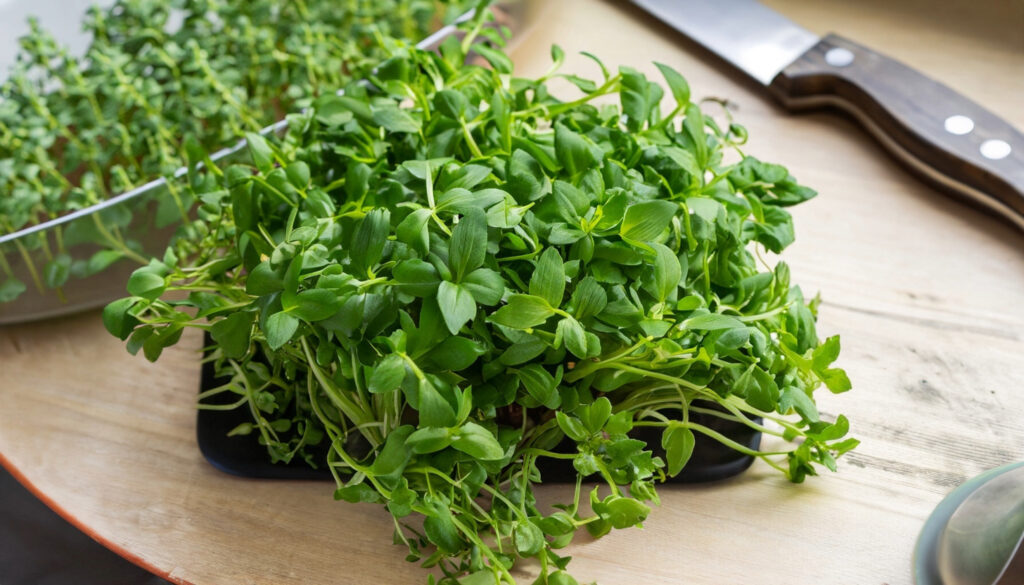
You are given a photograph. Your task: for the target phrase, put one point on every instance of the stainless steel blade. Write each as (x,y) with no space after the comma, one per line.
(752,37)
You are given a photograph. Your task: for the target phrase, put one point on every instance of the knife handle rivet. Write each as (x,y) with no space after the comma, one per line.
(959,125)
(995,149)
(839,57)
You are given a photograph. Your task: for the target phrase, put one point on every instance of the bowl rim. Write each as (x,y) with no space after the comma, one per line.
(431,40)
(925,559)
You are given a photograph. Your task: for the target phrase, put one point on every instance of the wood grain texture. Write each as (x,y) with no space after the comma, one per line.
(906,111)
(928,296)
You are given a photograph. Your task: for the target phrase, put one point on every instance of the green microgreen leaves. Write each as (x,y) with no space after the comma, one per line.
(457,305)
(548,280)
(678,442)
(523,312)
(575,153)
(645,221)
(667,272)
(477,442)
(639,98)
(279,328)
(147,282)
(388,375)
(468,244)
(233,333)
(491,277)
(677,85)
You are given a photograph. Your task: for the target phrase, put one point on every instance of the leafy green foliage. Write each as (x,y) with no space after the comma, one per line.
(484,276)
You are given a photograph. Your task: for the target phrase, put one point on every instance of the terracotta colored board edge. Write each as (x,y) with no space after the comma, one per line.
(82,527)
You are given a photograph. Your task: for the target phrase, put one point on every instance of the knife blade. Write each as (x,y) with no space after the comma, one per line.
(938,133)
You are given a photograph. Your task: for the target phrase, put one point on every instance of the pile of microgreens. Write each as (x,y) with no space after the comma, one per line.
(75,130)
(449,273)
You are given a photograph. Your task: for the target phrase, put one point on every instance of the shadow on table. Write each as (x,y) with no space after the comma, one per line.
(38,547)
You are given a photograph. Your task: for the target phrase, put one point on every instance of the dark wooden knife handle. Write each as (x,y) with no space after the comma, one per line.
(937,132)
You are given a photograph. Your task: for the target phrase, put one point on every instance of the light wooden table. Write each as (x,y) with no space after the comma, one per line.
(928,296)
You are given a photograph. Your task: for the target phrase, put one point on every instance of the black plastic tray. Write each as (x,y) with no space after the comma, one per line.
(243,455)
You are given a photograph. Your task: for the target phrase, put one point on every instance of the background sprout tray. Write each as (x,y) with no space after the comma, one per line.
(82,260)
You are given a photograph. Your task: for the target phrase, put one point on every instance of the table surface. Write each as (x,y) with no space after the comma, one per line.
(928,296)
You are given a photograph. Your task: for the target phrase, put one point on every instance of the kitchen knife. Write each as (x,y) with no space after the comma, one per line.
(934,130)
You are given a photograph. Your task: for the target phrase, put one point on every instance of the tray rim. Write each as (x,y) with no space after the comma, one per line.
(217,449)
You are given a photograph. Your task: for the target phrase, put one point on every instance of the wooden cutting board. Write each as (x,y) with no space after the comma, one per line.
(928,296)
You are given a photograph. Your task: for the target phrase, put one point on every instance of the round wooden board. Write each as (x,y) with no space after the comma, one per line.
(928,296)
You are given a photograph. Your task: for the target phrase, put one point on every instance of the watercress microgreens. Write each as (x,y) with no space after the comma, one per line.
(446,275)
(160,82)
